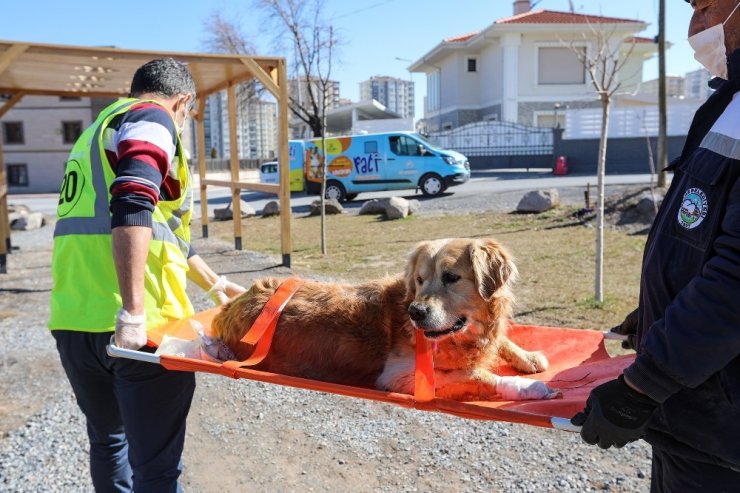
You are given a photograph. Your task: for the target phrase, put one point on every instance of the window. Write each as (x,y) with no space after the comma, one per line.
(434,90)
(560,66)
(371,146)
(71,131)
(472,65)
(17,175)
(403,145)
(13,133)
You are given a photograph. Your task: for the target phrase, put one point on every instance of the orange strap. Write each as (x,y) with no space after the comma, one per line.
(424,375)
(263,328)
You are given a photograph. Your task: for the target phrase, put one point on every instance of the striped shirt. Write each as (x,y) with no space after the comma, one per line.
(140,146)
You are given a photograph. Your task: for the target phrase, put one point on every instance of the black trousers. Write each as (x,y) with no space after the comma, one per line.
(677,474)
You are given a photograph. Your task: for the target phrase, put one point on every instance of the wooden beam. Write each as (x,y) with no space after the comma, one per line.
(4,215)
(11,54)
(284,161)
(11,102)
(245,185)
(234,162)
(201,142)
(262,76)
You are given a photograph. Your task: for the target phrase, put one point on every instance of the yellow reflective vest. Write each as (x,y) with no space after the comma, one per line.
(85,295)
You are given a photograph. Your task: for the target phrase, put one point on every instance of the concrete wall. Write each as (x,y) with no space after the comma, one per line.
(623,155)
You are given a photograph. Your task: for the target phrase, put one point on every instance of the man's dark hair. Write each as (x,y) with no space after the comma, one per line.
(164,76)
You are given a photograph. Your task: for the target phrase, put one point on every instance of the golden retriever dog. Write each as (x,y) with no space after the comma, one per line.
(457,291)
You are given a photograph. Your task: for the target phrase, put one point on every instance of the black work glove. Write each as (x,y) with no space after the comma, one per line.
(628,328)
(615,414)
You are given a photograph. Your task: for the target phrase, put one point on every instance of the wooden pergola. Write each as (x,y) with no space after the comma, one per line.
(76,71)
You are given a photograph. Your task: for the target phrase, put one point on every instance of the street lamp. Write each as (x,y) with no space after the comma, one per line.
(556,124)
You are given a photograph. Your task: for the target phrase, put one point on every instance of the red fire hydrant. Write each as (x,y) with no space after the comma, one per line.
(561,166)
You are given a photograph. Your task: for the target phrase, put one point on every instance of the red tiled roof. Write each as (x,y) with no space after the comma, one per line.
(461,38)
(552,17)
(639,40)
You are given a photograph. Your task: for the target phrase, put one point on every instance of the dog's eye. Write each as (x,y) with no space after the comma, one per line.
(449,278)
(419,280)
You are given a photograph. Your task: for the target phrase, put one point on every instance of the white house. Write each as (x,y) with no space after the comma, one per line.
(524,68)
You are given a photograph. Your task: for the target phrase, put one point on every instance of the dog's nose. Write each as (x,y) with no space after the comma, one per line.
(418,311)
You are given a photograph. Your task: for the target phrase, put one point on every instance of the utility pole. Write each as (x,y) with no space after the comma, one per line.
(662,101)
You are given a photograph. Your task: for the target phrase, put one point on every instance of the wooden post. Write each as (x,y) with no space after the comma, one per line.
(201,140)
(4,219)
(236,208)
(284,162)
(5,244)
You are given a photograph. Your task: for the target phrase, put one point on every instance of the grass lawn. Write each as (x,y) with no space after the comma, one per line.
(554,254)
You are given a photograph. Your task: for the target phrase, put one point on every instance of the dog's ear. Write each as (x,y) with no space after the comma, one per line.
(409,272)
(412,266)
(493,267)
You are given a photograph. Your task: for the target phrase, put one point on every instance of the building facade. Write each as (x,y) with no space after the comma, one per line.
(697,84)
(37,135)
(525,68)
(304,90)
(256,128)
(395,94)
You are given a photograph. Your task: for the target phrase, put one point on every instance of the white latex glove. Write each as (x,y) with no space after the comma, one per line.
(130,330)
(224,290)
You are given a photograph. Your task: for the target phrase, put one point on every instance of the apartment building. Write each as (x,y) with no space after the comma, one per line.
(397,95)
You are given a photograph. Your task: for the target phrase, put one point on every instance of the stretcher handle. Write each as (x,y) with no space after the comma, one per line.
(613,336)
(564,424)
(117,352)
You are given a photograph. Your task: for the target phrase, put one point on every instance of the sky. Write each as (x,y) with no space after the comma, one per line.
(375,34)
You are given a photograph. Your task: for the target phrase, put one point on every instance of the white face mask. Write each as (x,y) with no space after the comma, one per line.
(709,48)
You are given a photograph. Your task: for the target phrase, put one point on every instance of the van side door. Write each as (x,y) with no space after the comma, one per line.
(405,162)
(368,165)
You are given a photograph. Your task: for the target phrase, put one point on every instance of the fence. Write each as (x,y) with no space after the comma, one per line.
(224,164)
(494,138)
(629,122)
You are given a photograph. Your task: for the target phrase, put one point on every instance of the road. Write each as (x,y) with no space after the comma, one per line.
(483,185)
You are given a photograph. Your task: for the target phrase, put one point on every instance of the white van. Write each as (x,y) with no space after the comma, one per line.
(269,172)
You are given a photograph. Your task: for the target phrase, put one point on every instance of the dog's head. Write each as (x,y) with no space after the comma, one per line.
(459,285)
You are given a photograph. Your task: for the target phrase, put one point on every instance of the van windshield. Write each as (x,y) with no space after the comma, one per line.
(429,142)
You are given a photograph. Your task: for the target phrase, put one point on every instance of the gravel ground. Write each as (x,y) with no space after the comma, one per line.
(254,437)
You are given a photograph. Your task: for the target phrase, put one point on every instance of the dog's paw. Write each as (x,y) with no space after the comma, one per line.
(522,389)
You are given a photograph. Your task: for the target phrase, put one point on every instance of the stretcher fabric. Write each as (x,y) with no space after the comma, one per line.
(578,360)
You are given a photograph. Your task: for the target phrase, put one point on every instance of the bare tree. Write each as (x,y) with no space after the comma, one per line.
(602,58)
(312,42)
(226,36)
(325,166)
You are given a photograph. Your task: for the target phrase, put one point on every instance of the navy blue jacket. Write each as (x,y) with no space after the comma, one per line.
(689,312)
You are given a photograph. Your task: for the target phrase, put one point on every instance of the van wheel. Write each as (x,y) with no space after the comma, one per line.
(431,185)
(350,196)
(336,191)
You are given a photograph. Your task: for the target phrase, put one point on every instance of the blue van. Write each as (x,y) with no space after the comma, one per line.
(377,162)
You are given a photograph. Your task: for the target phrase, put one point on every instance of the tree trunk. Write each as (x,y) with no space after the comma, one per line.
(662,102)
(324,169)
(599,278)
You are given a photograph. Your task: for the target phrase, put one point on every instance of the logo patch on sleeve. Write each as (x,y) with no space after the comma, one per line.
(693,210)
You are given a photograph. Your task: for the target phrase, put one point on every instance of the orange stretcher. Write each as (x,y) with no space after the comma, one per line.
(578,360)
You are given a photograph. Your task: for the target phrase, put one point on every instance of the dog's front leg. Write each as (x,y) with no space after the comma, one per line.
(521,360)
(482,384)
